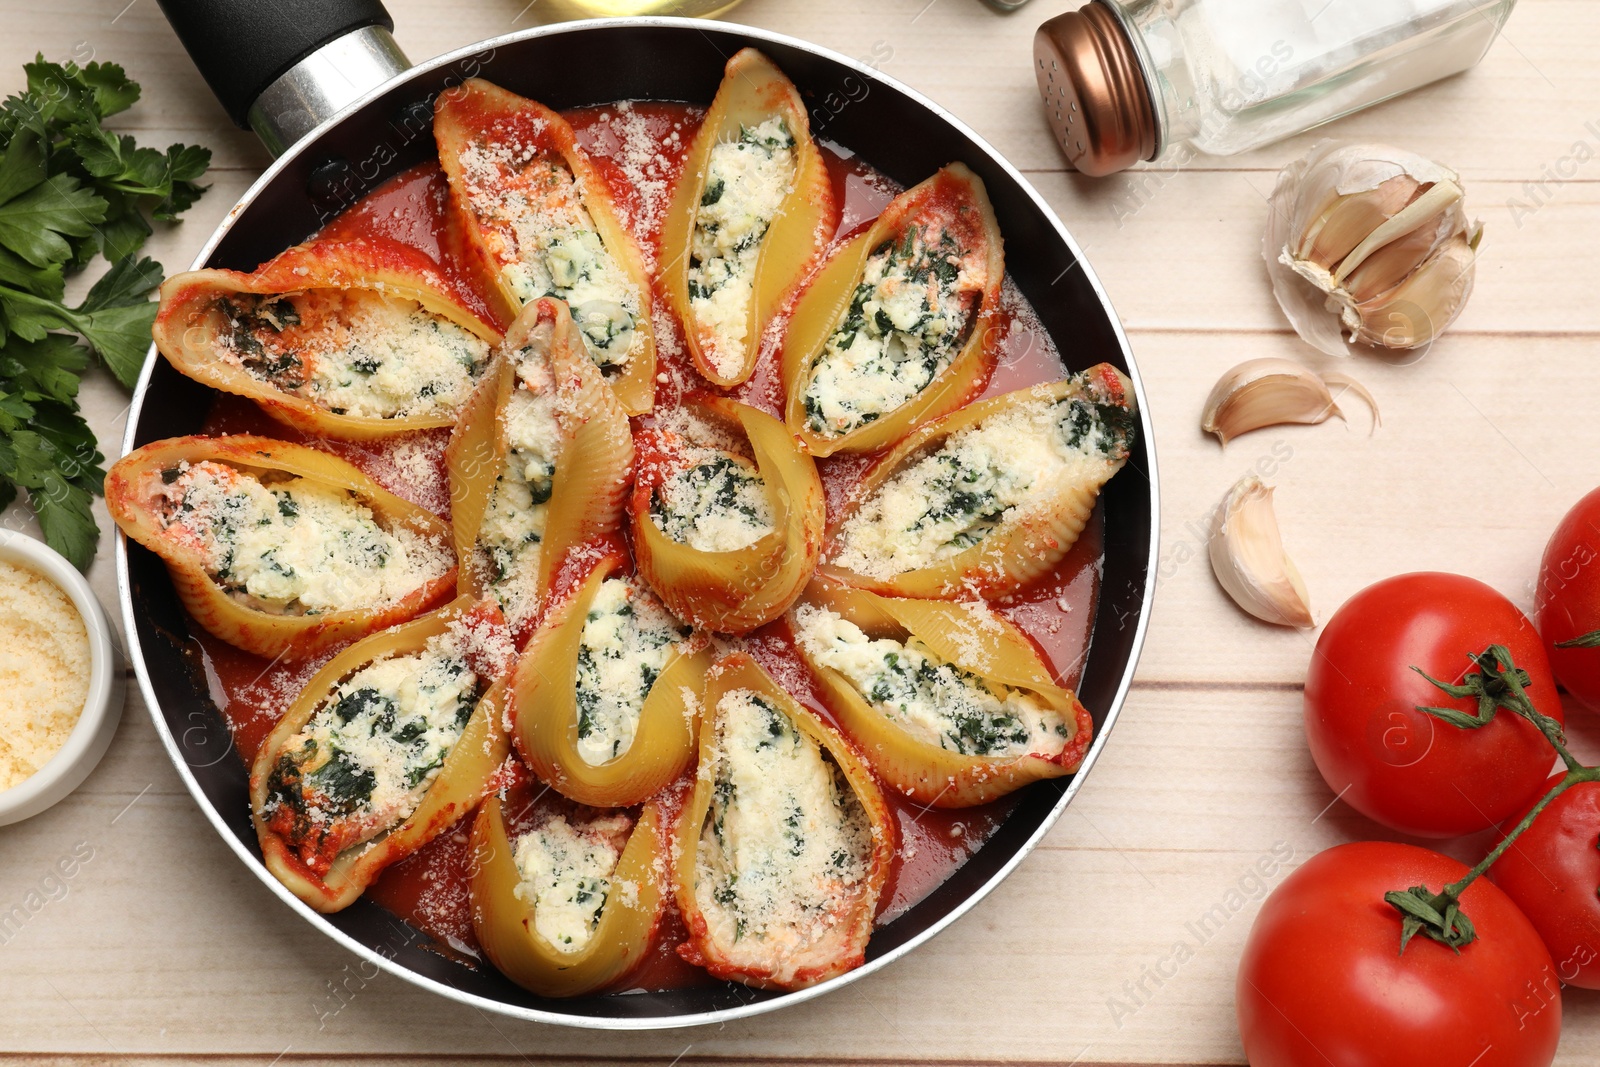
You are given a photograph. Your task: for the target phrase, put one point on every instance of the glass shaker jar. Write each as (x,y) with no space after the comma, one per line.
(1130,80)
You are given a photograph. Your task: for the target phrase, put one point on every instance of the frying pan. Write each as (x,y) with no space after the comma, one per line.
(329,91)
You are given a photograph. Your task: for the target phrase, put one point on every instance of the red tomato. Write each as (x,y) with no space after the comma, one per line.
(1553,873)
(1323,982)
(1395,764)
(1569,599)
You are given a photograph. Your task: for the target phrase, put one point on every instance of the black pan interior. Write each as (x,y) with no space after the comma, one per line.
(895,133)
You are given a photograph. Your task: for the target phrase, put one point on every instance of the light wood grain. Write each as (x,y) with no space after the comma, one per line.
(164,950)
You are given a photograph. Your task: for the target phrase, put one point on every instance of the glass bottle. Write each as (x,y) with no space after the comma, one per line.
(1130,80)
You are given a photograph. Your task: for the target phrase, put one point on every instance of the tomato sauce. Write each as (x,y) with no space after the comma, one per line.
(639,151)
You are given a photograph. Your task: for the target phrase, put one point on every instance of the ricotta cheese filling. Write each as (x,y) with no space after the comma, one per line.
(363,762)
(910,314)
(519,504)
(747,181)
(567,873)
(1003,469)
(292,546)
(786,844)
(716,502)
(931,698)
(530,209)
(627,639)
(354,351)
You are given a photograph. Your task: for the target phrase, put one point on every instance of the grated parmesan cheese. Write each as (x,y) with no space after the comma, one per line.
(566,875)
(293,546)
(627,639)
(531,211)
(354,351)
(513,525)
(930,698)
(786,842)
(44,671)
(1002,469)
(747,181)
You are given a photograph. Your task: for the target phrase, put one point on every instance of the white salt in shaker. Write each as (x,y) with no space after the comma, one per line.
(1131,80)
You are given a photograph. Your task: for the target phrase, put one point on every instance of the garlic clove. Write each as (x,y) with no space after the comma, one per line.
(1248,559)
(1389,266)
(1273,391)
(1349,220)
(1404,317)
(1357,231)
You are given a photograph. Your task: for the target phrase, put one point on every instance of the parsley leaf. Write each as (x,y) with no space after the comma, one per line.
(37,224)
(71,191)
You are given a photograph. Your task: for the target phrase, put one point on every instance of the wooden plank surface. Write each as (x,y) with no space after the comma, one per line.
(163,949)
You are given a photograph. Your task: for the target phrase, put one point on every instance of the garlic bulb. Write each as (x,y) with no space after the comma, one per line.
(1269,391)
(1369,241)
(1250,563)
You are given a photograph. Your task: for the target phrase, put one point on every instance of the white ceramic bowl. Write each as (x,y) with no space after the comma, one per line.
(102,709)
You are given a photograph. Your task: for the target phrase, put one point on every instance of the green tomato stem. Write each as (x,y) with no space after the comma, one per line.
(1496,684)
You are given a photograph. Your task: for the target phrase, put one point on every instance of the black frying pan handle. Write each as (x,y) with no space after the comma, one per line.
(243,46)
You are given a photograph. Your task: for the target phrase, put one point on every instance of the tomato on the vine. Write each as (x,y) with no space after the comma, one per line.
(1553,874)
(1568,599)
(1323,980)
(1403,767)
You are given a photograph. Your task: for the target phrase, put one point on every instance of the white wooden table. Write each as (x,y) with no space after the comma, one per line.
(162,948)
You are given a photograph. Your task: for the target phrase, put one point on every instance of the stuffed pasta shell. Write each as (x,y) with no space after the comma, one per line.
(898,326)
(603,704)
(538,217)
(753,210)
(949,702)
(390,743)
(280,549)
(989,498)
(538,464)
(571,904)
(354,339)
(785,843)
(727,515)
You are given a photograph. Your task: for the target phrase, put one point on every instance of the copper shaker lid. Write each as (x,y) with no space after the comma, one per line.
(1094,90)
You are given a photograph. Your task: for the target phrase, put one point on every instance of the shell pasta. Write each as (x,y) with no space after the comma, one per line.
(950,702)
(538,463)
(604,699)
(280,549)
(572,904)
(726,514)
(357,339)
(753,212)
(389,744)
(542,224)
(896,327)
(785,843)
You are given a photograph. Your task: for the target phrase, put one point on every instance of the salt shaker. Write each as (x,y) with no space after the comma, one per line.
(1131,80)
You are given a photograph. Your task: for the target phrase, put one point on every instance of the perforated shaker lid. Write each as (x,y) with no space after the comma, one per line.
(1094,90)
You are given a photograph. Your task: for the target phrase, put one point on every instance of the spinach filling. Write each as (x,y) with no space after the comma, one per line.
(904,325)
(249,317)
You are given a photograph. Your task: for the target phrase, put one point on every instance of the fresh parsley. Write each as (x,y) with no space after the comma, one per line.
(71,191)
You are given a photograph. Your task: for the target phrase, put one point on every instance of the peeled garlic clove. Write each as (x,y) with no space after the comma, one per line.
(1249,561)
(1369,245)
(1271,391)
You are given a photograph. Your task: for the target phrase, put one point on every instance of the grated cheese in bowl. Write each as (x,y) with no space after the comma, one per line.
(44,671)
(61,678)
